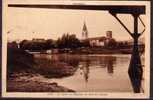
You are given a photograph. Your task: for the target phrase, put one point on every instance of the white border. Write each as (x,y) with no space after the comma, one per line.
(81,94)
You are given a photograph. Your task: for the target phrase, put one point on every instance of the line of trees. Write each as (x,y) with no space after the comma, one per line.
(66,41)
(34,45)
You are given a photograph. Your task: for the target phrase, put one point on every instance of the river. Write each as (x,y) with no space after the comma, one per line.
(94,73)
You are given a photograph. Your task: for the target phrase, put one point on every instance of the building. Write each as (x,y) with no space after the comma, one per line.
(109,34)
(97,41)
(84,31)
(109,39)
(101,41)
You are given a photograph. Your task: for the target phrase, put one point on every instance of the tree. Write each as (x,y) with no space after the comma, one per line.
(111,44)
(13,44)
(24,44)
(68,41)
(49,44)
(85,43)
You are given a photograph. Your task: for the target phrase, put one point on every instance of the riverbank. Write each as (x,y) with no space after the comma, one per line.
(25,82)
(89,50)
(50,72)
(22,67)
(101,51)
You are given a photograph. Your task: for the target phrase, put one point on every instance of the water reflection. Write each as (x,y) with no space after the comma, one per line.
(83,62)
(103,62)
(135,75)
(136,84)
(95,71)
(85,69)
(135,71)
(109,63)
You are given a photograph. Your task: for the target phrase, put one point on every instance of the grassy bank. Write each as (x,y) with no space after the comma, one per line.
(22,64)
(26,83)
(19,61)
(54,69)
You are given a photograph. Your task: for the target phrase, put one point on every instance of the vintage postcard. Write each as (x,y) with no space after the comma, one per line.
(75,49)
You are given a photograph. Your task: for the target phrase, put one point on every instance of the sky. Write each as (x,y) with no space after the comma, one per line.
(29,23)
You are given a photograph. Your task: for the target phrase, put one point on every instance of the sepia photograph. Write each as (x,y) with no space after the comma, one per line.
(76,49)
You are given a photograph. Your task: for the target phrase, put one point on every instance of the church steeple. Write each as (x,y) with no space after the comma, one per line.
(84,31)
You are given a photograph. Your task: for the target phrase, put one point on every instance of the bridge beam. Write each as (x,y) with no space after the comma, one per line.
(135,68)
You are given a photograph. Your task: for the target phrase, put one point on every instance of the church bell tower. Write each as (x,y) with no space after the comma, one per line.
(84,31)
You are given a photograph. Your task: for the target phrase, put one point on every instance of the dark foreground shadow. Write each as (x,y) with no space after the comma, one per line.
(135,73)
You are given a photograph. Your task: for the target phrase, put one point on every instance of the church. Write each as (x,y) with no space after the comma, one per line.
(97,41)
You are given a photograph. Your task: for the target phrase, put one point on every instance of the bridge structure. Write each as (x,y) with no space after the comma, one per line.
(135,67)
